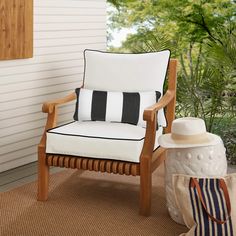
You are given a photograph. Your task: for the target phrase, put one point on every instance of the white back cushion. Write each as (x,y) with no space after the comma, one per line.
(125,72)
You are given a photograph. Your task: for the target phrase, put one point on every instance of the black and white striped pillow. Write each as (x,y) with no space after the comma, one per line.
(121,107)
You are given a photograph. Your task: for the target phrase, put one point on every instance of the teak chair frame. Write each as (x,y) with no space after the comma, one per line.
(149,159)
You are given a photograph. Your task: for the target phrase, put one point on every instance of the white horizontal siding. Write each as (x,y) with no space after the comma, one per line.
(36,100)
(18,162)
(58,11)
(70,4)
(69,34)
(40,83)
(26,77)
(46,19)
(68,26)
(62,30)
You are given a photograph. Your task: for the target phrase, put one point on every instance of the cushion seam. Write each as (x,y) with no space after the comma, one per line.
(61,125)
(85,136)
(95,157)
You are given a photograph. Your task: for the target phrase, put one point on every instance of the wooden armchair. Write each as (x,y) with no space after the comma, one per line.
(150,159)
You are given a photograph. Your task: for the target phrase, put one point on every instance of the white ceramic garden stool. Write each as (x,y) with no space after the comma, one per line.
(191,151)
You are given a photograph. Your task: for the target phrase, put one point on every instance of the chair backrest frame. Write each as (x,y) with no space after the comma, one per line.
(172,85)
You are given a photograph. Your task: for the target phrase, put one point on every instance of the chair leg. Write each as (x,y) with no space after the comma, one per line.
(145,187)
(43,175)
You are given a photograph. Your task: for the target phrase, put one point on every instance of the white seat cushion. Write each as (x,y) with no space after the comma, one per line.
(98,139)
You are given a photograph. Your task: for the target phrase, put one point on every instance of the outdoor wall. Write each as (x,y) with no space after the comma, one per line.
(62,30)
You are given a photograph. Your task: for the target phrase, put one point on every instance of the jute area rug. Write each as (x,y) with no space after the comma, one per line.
(86,203)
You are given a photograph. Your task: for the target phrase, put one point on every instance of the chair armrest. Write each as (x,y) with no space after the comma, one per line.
(150,115)
(51,108)
(48,107)
(149,112)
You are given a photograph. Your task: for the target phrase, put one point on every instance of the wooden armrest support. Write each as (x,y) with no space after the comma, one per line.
(48,107)
(149,112)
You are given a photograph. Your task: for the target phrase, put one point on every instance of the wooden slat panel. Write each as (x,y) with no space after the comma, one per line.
(15,16)
(102,166)
(121,168)
(73,162)
(127,168)
(55,160)
(85,164)
(79,163)
(135,169)
(49,160)
(61,161)
(115,167)
(96,165)
(67,162)
(90,164)
(109,166)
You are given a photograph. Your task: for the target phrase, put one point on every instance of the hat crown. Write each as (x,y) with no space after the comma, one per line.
(188,126)
(188,132)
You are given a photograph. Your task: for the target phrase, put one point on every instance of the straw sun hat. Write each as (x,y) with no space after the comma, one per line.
(188,132)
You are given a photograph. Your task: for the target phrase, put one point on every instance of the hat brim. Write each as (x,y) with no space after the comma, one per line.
(166,141)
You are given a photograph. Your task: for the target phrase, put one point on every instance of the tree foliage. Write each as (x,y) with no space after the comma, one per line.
(183,20)
(202,35)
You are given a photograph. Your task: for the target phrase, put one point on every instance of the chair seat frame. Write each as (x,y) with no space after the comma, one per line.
(149,159)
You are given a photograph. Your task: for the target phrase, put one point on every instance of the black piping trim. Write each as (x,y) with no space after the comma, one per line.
(93,50)
(94,158)
(156,148)
(77,91)
(60,126)
(115,122)
(86,136)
